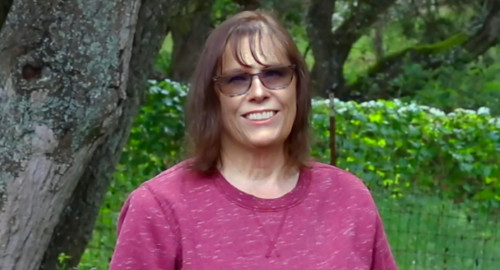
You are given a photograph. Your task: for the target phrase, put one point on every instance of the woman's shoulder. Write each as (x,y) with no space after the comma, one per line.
(330,171)
(175,183)
(337,187)
(177,171)
(330,177)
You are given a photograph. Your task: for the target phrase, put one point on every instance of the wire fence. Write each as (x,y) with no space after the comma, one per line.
(432,233)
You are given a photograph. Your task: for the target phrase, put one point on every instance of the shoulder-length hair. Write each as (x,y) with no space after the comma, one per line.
(204,124)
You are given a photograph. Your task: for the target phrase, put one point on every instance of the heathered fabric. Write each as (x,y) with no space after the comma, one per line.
(184,220)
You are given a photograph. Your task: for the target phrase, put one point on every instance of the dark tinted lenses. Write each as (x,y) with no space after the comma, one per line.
(276,78)
(273,78)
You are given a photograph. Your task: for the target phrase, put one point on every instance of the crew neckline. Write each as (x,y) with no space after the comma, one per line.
(245,200)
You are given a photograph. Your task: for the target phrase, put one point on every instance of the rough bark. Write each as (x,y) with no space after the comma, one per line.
(66,108)
(460,48)
(189,32)
(330,49)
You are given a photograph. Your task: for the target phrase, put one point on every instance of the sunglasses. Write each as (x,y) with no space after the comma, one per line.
(273,78)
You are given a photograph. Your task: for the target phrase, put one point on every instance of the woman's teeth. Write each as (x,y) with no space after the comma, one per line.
(260,115)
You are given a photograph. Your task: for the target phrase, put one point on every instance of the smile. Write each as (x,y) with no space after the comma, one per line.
(260,115)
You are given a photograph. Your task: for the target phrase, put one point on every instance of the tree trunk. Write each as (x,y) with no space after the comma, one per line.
(325,71)
(153,20)
(330,50)
(189,33)
(67,106)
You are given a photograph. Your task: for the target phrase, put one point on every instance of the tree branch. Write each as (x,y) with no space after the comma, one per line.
(489,34)
(331,49)
(366,14)
(458,48)
(189,33)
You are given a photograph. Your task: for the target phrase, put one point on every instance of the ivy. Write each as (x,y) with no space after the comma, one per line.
(401,145)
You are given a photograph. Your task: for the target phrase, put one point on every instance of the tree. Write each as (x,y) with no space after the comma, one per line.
(189,32)
(72,78)
(331,47)
(331,42)
(459,48)
(193,24)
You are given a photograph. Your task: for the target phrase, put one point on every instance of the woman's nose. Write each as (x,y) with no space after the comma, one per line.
(257,91)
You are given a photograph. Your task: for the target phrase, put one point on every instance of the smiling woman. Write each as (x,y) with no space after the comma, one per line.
(249,197)
(259,119)
(248,43)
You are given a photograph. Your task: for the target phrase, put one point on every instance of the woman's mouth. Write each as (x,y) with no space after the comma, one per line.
(258,116)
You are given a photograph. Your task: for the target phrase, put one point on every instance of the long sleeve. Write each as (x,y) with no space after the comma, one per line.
(147,236)
(382,255)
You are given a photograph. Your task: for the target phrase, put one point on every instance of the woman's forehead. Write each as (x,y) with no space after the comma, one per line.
(252,52)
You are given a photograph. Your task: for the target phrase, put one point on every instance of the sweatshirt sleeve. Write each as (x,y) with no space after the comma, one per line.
(382,255)
(147,236)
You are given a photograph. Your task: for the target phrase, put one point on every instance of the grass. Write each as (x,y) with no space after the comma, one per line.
(431,233)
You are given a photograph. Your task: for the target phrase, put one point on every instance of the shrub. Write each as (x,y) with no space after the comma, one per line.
(469,85)
(400,145)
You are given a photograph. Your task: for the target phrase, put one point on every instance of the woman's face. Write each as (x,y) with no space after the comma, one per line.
(261,117)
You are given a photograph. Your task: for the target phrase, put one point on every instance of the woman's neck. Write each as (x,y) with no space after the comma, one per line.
(262,172)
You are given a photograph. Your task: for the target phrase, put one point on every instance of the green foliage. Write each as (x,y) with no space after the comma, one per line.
(62,260)
(442,46)
(222,9)
(455,83)
(402,146)
(163,61)
(460,86)
(360,58)
(429,23)
(156,138)
(438,50)
(414,32)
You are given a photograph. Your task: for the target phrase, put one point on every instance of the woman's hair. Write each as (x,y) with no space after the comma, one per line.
(204,123)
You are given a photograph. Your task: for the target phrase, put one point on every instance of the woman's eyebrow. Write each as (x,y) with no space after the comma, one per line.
(236,70)
(250,69)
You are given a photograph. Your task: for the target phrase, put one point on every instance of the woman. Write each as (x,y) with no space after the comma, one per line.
(249,198)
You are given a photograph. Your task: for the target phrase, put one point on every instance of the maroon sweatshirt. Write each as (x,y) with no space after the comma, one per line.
(183,220)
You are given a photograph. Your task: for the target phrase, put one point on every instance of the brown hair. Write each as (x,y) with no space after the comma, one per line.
(203,119)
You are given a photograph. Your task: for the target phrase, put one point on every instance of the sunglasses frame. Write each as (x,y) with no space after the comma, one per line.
(258,74)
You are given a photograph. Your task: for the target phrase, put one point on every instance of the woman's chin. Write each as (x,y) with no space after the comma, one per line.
(266,143)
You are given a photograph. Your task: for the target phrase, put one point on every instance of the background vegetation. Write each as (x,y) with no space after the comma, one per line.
(422,132)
